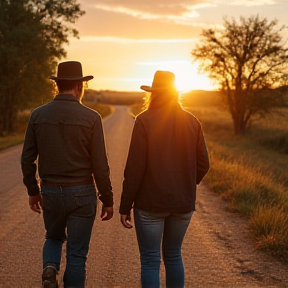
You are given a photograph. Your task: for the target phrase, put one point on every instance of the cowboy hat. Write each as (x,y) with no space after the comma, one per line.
(163,80)
(70,70)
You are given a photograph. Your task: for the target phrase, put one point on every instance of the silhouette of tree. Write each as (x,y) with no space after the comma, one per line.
(32,35)
(248,59)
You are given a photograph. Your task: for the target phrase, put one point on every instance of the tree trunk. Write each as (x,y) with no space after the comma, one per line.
(8,120)
(239,125)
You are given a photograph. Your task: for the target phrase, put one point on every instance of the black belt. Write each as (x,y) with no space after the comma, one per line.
(67,184)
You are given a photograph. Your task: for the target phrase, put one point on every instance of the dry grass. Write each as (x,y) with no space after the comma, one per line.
(103,109)
(251,174)
(270,228)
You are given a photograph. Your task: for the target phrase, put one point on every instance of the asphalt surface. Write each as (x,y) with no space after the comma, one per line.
(218,250)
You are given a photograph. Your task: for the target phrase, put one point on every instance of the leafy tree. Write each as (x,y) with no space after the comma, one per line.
(248,59)
(32,35)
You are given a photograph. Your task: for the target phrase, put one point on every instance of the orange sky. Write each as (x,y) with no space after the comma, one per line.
(123,42)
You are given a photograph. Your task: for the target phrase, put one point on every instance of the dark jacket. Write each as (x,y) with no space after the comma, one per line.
(167,158)
(67,137)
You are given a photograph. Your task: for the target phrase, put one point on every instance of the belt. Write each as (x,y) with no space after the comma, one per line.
(67,184)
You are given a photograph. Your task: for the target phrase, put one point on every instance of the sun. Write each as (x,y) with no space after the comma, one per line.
(187,77)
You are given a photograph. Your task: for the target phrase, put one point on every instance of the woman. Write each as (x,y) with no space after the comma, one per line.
(167,158)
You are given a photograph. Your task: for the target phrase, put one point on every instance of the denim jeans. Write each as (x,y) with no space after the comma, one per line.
(68,210)
(152,229)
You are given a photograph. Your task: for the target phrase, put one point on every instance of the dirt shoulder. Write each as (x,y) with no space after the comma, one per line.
(224,240)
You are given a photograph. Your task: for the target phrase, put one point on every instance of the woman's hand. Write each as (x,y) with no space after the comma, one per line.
(126,221)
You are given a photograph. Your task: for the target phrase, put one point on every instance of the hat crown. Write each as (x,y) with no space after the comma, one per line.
(163,79)
(70,69)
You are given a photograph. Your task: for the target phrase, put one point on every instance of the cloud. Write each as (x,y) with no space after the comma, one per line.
(165,15)
(182,12)
(248,3)
(170,8)
(129,40)
(159,7)
(166,19)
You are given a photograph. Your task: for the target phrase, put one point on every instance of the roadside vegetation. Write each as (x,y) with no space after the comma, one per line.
(248,172)
(33,36)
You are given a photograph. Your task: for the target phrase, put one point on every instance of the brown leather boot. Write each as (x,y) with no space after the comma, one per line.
(49,277)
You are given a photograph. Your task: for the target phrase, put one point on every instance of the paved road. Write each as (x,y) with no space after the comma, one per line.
(217,251)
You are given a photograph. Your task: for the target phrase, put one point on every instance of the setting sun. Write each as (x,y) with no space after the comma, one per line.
(130,71)
(187,77)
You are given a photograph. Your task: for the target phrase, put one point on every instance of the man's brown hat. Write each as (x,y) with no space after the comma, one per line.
(70,70)
(163,80)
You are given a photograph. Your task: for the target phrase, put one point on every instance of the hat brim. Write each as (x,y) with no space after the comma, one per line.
(86,78)
(153,89)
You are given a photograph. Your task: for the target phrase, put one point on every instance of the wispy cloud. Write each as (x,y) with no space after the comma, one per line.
(181,12)
(128,40)
(185,18)
(248,3)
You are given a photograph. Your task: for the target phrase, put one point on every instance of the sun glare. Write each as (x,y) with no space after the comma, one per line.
(187,77)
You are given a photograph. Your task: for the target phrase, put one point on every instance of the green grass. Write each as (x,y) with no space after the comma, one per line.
(18,136)
(250,173)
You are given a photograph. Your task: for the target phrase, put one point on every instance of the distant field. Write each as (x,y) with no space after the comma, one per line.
(114,97)
(250,173)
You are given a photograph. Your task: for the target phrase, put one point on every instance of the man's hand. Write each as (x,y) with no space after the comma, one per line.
(35,203)
(126,221)
(106,213)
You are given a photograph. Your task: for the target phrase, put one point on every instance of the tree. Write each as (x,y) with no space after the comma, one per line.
(32,35)
(248,59)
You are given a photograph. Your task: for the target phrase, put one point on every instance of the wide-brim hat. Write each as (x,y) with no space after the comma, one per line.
(163,80)
(70,70)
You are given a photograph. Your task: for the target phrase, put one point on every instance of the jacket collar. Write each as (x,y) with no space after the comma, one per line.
(66,97)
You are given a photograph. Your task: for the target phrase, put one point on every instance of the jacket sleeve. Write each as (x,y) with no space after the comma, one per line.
(28,160)
(101,170)
(135,167)
(203,164)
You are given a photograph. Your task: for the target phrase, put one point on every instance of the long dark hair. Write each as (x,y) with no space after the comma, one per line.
(158,99)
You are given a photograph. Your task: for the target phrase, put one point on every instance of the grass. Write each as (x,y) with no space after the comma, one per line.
(18,136)
(11,140)
(250,173)
(103,109)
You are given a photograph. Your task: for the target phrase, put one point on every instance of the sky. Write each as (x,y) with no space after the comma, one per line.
(124,42)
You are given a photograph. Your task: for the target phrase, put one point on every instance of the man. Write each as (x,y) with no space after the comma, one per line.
(67,138)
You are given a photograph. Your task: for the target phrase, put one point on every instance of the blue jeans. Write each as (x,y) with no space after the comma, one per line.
(71,210)
(152,229)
